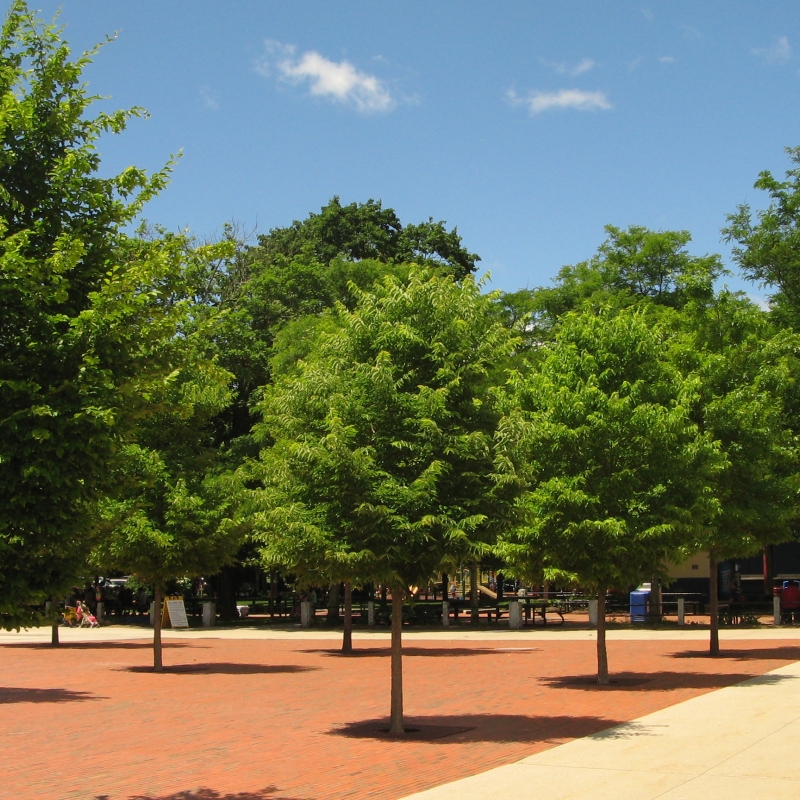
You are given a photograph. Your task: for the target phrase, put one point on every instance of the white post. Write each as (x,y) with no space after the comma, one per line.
(209,614)
(681,611)
(152,614)
(593,613)
(514,615)
(371,613)
(305,614)
(445,614)
(776,609)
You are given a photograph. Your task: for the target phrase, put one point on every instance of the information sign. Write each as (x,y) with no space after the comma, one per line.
(174,613)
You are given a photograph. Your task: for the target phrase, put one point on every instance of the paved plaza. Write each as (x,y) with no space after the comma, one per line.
(272,715)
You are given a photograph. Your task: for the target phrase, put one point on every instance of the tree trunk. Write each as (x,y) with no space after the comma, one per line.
(713,590)
(656,605)
(396,727)
(444,587)
(347,637)
(272,594)
(602,654)
(499,580)
(474,594)
(226,594)
(158,665)
(767,558)
(54,641)
(334,594)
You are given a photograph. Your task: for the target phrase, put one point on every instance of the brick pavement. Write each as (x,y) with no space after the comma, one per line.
(277,719)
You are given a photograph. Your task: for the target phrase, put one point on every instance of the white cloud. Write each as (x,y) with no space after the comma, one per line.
(338,81)
(562,68)
(536,102)
(667,60)
(208,98)
(762,302)
(779,52)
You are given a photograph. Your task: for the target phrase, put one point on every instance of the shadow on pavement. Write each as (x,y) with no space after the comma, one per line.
(14,694)
(481,728)
(224,668)
(652,681)
(782,653)
(270,793)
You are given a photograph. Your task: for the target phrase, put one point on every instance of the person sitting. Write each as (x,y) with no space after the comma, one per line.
(790,602)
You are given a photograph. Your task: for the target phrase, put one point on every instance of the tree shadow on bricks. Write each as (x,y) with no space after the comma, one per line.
(270,793)
(462,729)
(14,694)
(782,653)
(224,668)
(657,681)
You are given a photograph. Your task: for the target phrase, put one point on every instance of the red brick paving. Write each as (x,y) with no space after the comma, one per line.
(270,720)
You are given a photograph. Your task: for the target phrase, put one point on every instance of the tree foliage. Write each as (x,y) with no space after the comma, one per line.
(768,248)
(380,458)
(616,472)
(88,313)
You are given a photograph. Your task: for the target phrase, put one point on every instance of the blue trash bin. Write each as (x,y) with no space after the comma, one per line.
(640,600)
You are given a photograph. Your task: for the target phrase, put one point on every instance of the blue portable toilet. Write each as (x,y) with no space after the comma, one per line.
(640,600)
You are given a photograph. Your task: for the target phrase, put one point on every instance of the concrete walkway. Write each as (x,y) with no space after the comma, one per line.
(109,633)
(739,742)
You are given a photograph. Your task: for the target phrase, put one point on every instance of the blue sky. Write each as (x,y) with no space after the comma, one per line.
(528,125)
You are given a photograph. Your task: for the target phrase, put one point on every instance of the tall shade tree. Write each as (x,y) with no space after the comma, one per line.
(599,431)
(380,442)
(632,267)
(745,376)
(172,514)
(767,248)
(88,314)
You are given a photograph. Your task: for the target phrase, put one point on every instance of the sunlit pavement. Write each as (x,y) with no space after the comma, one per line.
(269,714)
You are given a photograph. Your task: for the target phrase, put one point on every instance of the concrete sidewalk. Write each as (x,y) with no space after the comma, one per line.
(111,633)
(739,742)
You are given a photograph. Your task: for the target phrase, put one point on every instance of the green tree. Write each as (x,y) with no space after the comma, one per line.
(616,472)
(172,514)
(302,270)
(89,314)
(746,397)
(634,266)
(767,249)
(380,452)
(362,231)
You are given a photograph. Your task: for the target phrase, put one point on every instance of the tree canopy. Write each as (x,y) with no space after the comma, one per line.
(380,459)
(89,313)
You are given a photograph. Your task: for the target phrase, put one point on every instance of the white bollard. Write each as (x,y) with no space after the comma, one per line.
(445,614)
(593,613)
(152,614)
(209,614)
(305,614)
(514,615)
(100,613)
(776,610)
(371,613)
(681,611)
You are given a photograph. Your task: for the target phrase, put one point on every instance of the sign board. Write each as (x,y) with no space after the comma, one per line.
(174,613)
